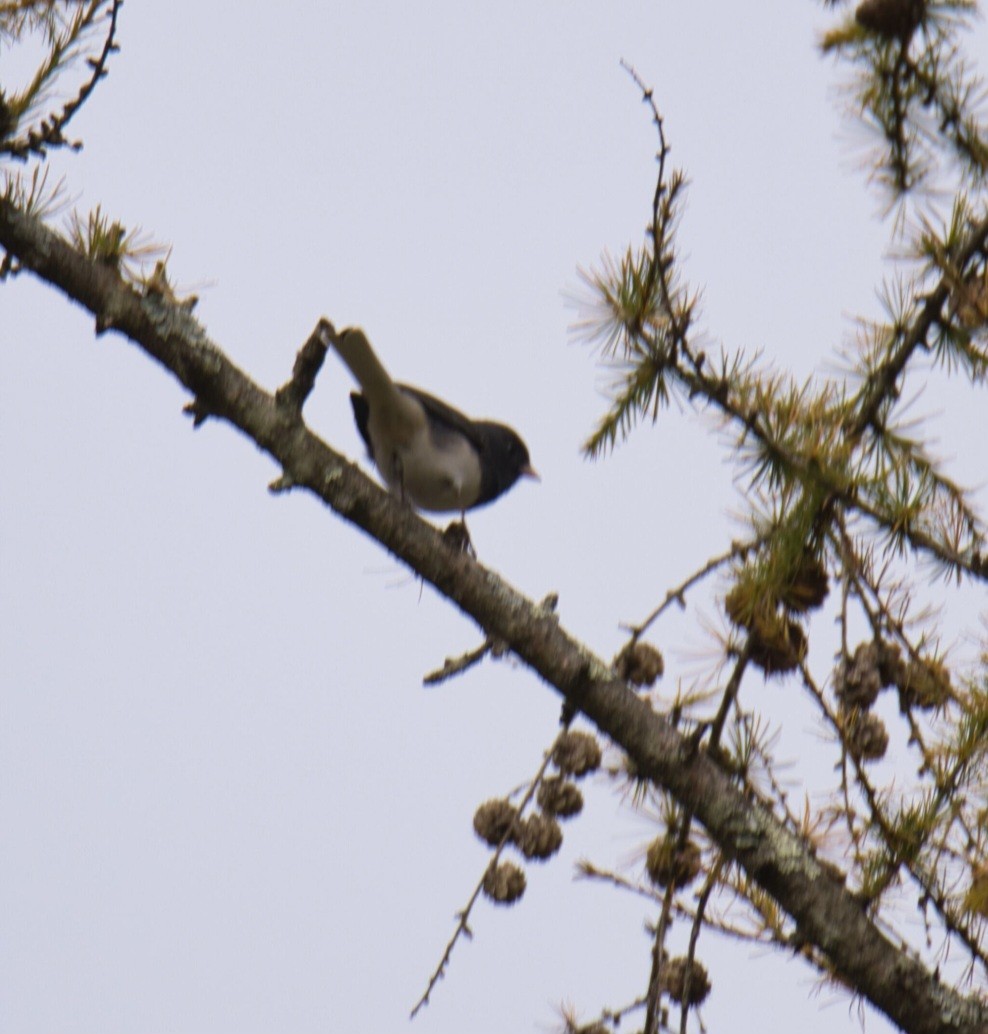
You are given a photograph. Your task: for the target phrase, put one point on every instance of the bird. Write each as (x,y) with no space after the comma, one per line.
(428,453)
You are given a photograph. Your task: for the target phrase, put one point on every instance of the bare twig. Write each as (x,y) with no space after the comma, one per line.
(678,593)
(293,393)
(463,916)
(491,645)
(711,881)
(457,665)
(653,998)
(588,871)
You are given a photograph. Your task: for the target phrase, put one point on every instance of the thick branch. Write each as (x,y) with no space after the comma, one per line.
(825,913)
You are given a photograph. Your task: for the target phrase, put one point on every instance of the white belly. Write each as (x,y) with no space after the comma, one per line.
(437,472)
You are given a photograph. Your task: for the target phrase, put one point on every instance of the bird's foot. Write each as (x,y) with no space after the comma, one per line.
(458,536)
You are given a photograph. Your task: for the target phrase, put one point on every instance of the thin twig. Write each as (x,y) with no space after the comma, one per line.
(462,924)
(648,97)
(491,645)
(678,593)
(731,691)
(588,871)
(653,998)
(308,362)
(713,877)
(51,133)
(655,988)
(457,665)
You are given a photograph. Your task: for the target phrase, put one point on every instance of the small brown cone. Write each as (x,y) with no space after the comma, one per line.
(493,819)
(538,837)
(809,588)
(924,684)
(504,884)
(866,736)
(576,753)
(893,19)
(667,863)
(674,981)
(558,796)
(776,644)
(859,678)
(640,664)
(740,604)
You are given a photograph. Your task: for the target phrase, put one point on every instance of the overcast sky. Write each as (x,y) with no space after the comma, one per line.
(228,803)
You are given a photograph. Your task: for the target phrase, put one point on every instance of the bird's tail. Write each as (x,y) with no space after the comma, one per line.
(355,350)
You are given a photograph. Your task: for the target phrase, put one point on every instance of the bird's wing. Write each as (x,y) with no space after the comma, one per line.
(447,415)
(361,414)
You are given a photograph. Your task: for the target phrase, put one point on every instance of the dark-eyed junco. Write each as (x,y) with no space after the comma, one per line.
(427,452)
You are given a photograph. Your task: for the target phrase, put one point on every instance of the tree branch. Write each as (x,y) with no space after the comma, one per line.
(881,384)
(51,132)
(825,912)
(308,363)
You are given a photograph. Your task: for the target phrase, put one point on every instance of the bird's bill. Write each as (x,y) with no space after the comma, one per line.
(529,471)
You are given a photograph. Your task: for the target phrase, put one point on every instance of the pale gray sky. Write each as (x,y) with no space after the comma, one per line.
(228,803)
